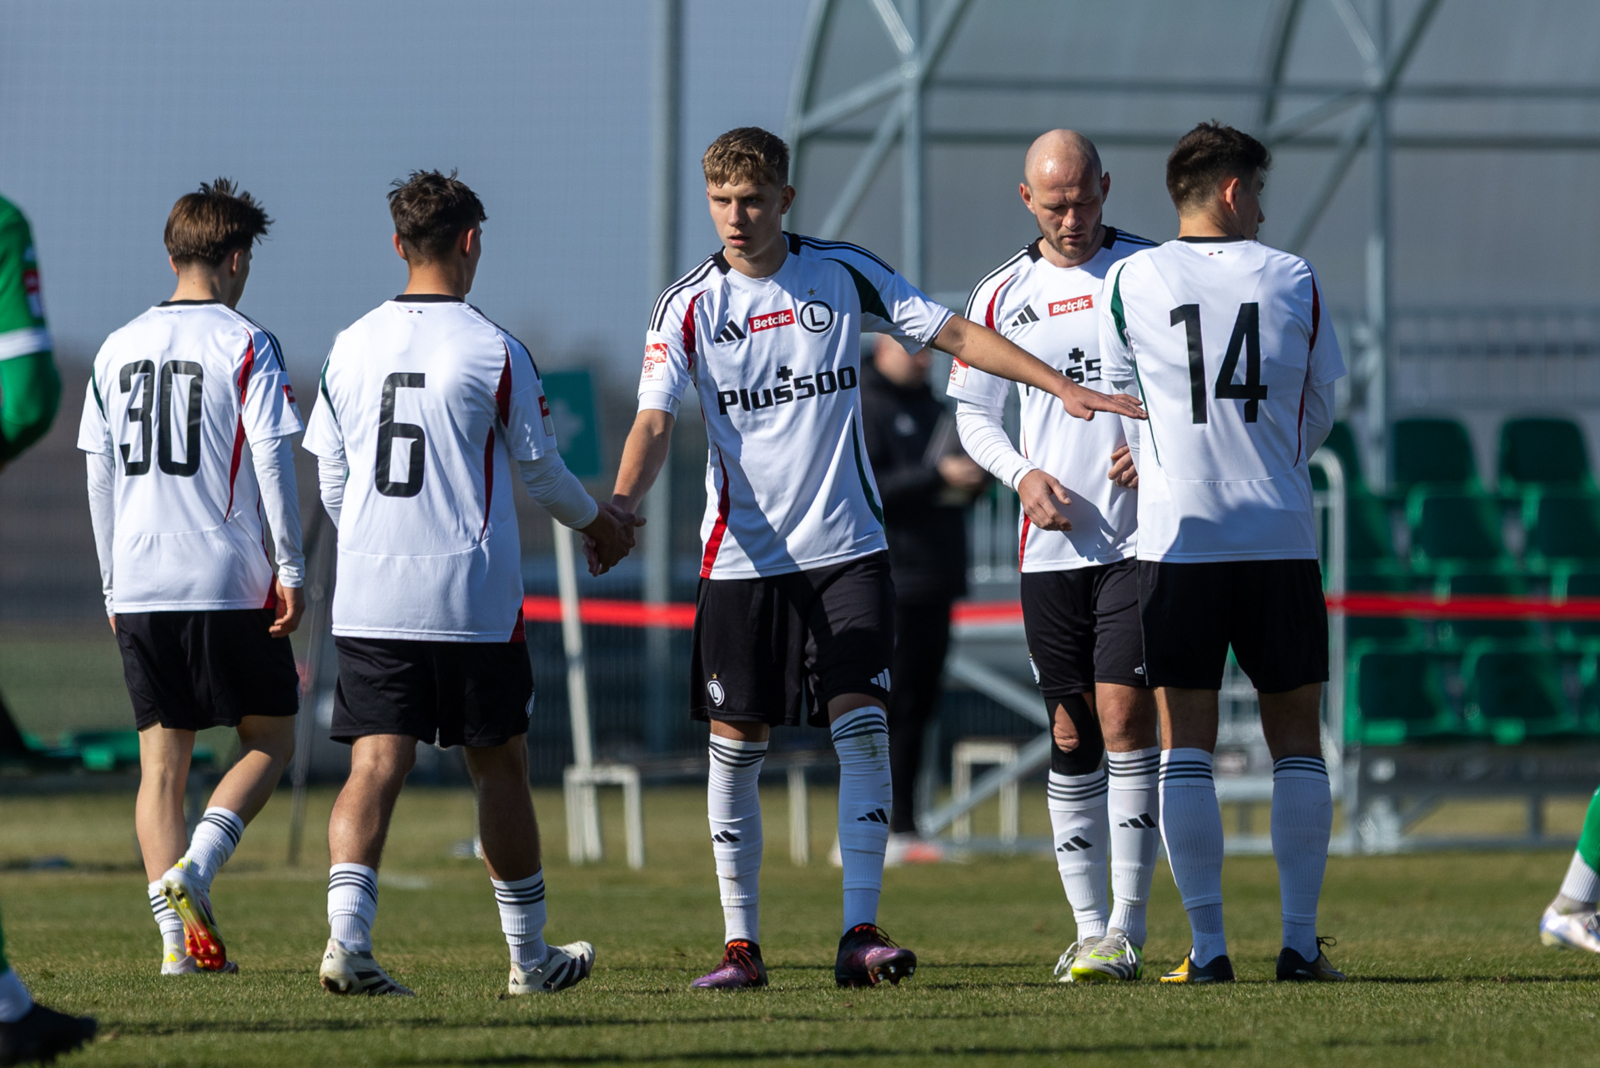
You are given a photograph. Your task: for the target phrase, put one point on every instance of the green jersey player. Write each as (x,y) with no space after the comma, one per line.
(30,391)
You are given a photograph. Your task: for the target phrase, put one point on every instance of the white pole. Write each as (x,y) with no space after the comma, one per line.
(577,688)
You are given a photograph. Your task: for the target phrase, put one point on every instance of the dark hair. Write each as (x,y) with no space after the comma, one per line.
(1205,156)
(206,225)
(430,211)
(748,154)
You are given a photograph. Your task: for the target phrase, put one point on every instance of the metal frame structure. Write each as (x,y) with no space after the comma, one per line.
(922,31)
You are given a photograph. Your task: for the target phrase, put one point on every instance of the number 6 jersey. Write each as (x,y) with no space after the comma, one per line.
(427,402)
(173,399)
(1224,338)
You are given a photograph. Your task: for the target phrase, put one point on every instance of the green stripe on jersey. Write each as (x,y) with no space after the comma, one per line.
(1116,309)
(861,470)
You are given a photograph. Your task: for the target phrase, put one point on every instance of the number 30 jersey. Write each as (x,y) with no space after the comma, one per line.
(428,402)
(173,398)
(776,362)
(1224,338)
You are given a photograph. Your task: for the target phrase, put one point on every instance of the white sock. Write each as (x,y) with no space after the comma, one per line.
(1582,883)
(521,904)
(733,805)
(1077,805)
(1302,820)
(861,738)
(1133,806)
(215,837)
(1191,825)
(169,922)
(352,905)
(15,1001)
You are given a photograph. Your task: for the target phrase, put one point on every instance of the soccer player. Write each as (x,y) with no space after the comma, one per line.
(187,428)
(794,619)
(424,406)
(30,393)
(1080,586)
(1571,921)
(1228,342)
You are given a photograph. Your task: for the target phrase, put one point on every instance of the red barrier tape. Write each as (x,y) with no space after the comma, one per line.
(680,616)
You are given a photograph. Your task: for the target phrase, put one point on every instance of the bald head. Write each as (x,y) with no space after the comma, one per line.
(1059,154)
(1065,189)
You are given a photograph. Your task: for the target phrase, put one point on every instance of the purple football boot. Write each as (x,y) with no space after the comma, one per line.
(867,958)
(741,969)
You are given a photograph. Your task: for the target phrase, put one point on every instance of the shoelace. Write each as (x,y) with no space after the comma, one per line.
(739,955)
(1325,942)
(1068,957)
(1112,946)
(875,932)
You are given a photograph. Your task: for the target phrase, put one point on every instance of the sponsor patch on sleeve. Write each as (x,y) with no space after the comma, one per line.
(544,412)
(288,391)
(655,362)
(958,373)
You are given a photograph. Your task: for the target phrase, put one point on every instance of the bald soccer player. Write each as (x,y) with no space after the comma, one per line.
(1075,548)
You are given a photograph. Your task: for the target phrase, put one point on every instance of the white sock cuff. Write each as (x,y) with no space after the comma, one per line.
(868,719)
(519,891)
(1300,767)
(1582,882)
(1071,793)
(226,821)
(736,754)
(1137,767)
(357,876)
(1186,767)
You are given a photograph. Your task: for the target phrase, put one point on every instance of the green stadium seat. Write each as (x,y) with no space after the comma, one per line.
(1343,444)
(1543,452)
(1456,633)
(1562,525)
(1576,581)
(1389,629)
(1514,693)
(1454,529)
(1432,451)
(1396,695)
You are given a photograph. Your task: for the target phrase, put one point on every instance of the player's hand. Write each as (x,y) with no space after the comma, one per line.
(113,621)
(1083,403)
(960,472)
(291,606)
(1123,473)
(607,539)
(1040,492)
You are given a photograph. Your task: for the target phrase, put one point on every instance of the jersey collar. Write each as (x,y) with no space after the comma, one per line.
(185,303)
(1211,240)
(428,298)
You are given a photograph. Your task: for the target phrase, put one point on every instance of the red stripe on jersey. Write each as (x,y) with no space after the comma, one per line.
(988,316)
(688,331)
(502,408)
(238,434)
(1022,542)
(714,542)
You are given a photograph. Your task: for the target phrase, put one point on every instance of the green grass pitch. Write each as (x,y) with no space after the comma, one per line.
(1442,949)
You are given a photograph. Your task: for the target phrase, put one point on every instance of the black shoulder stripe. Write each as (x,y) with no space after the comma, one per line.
(658,314)
(525,349)
(821,245)
(1113,235)
(1026,250)
(277,346)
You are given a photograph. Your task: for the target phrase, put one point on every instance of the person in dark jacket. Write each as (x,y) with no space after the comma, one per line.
(925,482)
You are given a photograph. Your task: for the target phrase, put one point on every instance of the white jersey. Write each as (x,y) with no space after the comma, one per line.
(1051,312)
(428,402)
(174,398)
(777,364)
(1224,337)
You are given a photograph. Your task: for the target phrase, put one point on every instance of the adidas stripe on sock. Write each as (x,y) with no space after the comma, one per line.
(352,905)
(170,923)
(1302,821)
(861,738)
(522,917)
(1191,826)
(1077,805)
(1132,805)
(215,837)
(733,807)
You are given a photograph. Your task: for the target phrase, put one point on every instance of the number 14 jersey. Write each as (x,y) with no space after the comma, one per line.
(1224,338)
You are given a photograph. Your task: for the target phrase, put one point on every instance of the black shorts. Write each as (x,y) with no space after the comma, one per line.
(478,694)
(777,650)
(192,670)
(1271,611)
(1082,628)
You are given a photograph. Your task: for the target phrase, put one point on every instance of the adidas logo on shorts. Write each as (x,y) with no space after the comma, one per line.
(881,679)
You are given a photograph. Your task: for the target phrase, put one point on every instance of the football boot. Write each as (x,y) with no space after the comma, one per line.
(43,1035)
(867,957)
(1063,972)
(1573,930)
(189,900)
(563,966)
(1111,959)
(741,969)
(176,963)
(1219,970)
(345,971)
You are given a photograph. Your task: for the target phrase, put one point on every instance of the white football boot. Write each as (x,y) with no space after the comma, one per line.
(1079,950)
(1111,959)
(564,967)
(347,972)
(177,963)
(1575,930)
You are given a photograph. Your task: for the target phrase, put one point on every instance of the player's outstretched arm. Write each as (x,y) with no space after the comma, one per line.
(980,347)
(643,457)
